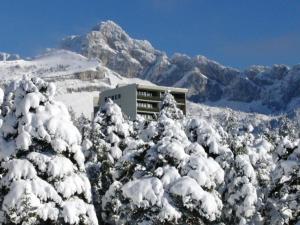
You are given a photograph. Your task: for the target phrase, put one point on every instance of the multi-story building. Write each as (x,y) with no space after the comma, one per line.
(137,99)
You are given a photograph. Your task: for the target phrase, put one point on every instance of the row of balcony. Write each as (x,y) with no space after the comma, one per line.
(156,108)
(157,98)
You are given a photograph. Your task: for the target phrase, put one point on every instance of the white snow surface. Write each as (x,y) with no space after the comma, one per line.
(189,190)
(55,63)
(144,192)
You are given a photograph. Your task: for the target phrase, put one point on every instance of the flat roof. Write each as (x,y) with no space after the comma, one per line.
(165,88)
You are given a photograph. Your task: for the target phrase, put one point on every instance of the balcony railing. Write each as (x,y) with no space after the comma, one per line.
(147,109)
(157,98)
(151,98)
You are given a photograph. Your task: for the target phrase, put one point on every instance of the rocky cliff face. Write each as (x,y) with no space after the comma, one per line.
(276,87)
(109,43)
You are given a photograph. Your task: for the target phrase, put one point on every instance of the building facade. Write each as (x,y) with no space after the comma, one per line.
(137,99)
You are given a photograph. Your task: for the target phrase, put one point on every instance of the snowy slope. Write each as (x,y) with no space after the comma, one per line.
(53,63)
(78,79)
(216,114)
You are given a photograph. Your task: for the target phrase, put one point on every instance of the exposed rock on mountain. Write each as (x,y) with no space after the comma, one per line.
(262,89)
(108,42)
(8,57)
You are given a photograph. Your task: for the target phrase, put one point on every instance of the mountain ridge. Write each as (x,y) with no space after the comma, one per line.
(107,47)
(4,56)
(272,88)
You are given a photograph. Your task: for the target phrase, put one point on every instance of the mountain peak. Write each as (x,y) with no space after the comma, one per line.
(108,42)
(112,32)
(207,80)
(108,25)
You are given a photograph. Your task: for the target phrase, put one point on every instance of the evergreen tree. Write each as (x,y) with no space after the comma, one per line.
(84,126)
(284,196)
(168,107)
(44,180)
(109,131)
(164,178)
(240,197)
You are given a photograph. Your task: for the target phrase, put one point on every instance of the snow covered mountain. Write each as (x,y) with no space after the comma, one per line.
(53,63)
(107,56)
(77,78)
(8,57)
(109,43)
(259,88)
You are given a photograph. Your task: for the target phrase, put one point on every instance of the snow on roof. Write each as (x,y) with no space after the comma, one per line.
(154,87)
(164,88)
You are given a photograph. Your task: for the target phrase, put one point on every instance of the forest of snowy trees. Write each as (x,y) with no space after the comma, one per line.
(173,170)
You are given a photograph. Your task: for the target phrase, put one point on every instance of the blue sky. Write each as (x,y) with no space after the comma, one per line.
(237,33)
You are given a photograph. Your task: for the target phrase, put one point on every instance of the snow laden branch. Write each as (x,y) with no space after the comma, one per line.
(172,170)
(151,172)
(43,173)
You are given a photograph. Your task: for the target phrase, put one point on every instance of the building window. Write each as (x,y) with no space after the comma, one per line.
(113,97)
(145,105)
(144,93)
(146,116)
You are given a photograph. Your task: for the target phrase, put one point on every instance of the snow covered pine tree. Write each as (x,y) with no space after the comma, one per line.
(284,196)
(167,184)
(109,131)
(43,176)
